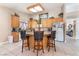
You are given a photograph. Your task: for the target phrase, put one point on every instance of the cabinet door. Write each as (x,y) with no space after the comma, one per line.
(15,22)
(15,36)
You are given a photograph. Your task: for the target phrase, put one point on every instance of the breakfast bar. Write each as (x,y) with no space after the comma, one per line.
(31,38)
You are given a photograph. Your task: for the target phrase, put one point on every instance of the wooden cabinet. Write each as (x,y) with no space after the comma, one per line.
(15,36)
(32,24)
(45,23)
(48,22)
(15,22)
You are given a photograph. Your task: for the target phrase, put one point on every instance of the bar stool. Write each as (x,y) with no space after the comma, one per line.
(38,38)
(51,40)
(24,37)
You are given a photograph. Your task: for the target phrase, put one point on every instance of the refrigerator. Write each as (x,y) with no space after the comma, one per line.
(59,31)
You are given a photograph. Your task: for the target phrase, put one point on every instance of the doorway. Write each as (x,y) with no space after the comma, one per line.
(70,29)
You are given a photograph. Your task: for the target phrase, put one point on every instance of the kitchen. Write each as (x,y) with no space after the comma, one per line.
(34,16)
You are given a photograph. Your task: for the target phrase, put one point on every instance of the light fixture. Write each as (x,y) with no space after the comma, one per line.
(38,8)
(32,9)
(35,8)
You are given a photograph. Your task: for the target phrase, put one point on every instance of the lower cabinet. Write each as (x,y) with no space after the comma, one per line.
(15,36)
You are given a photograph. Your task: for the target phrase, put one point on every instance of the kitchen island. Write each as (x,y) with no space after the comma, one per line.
(31,38)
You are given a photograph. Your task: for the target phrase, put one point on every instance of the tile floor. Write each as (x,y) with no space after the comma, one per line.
(68,48)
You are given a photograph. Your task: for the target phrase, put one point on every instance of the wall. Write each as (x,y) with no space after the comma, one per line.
(5,22)
(23,17)
(70,14)
(5,28)
(77,28)
(55,12)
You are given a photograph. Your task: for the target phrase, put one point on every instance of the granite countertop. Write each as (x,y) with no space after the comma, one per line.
(32,33)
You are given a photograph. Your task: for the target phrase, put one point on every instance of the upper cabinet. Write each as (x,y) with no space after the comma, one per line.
(15,21)
(32,23)
(45,23)
(48,22)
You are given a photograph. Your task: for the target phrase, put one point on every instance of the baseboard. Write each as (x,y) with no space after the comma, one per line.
(1,43)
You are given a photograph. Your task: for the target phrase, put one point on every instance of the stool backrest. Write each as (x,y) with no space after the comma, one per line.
(53,34)
(38,35)
(23,35)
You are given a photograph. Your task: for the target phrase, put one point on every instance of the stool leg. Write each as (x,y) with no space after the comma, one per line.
(42,47)
(55,49)
(34,46)
(47,41)
(37,48)
(54,46)
(48,45)
(28,43)
(22,45)
(37,52)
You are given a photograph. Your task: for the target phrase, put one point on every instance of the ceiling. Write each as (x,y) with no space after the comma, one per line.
(72,10)
(22,7)
(72,7)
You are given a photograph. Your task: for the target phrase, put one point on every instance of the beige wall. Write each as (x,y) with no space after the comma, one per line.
(5,28)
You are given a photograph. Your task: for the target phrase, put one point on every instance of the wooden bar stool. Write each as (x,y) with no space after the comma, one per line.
(38,37)
(25,37)
(51,40)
